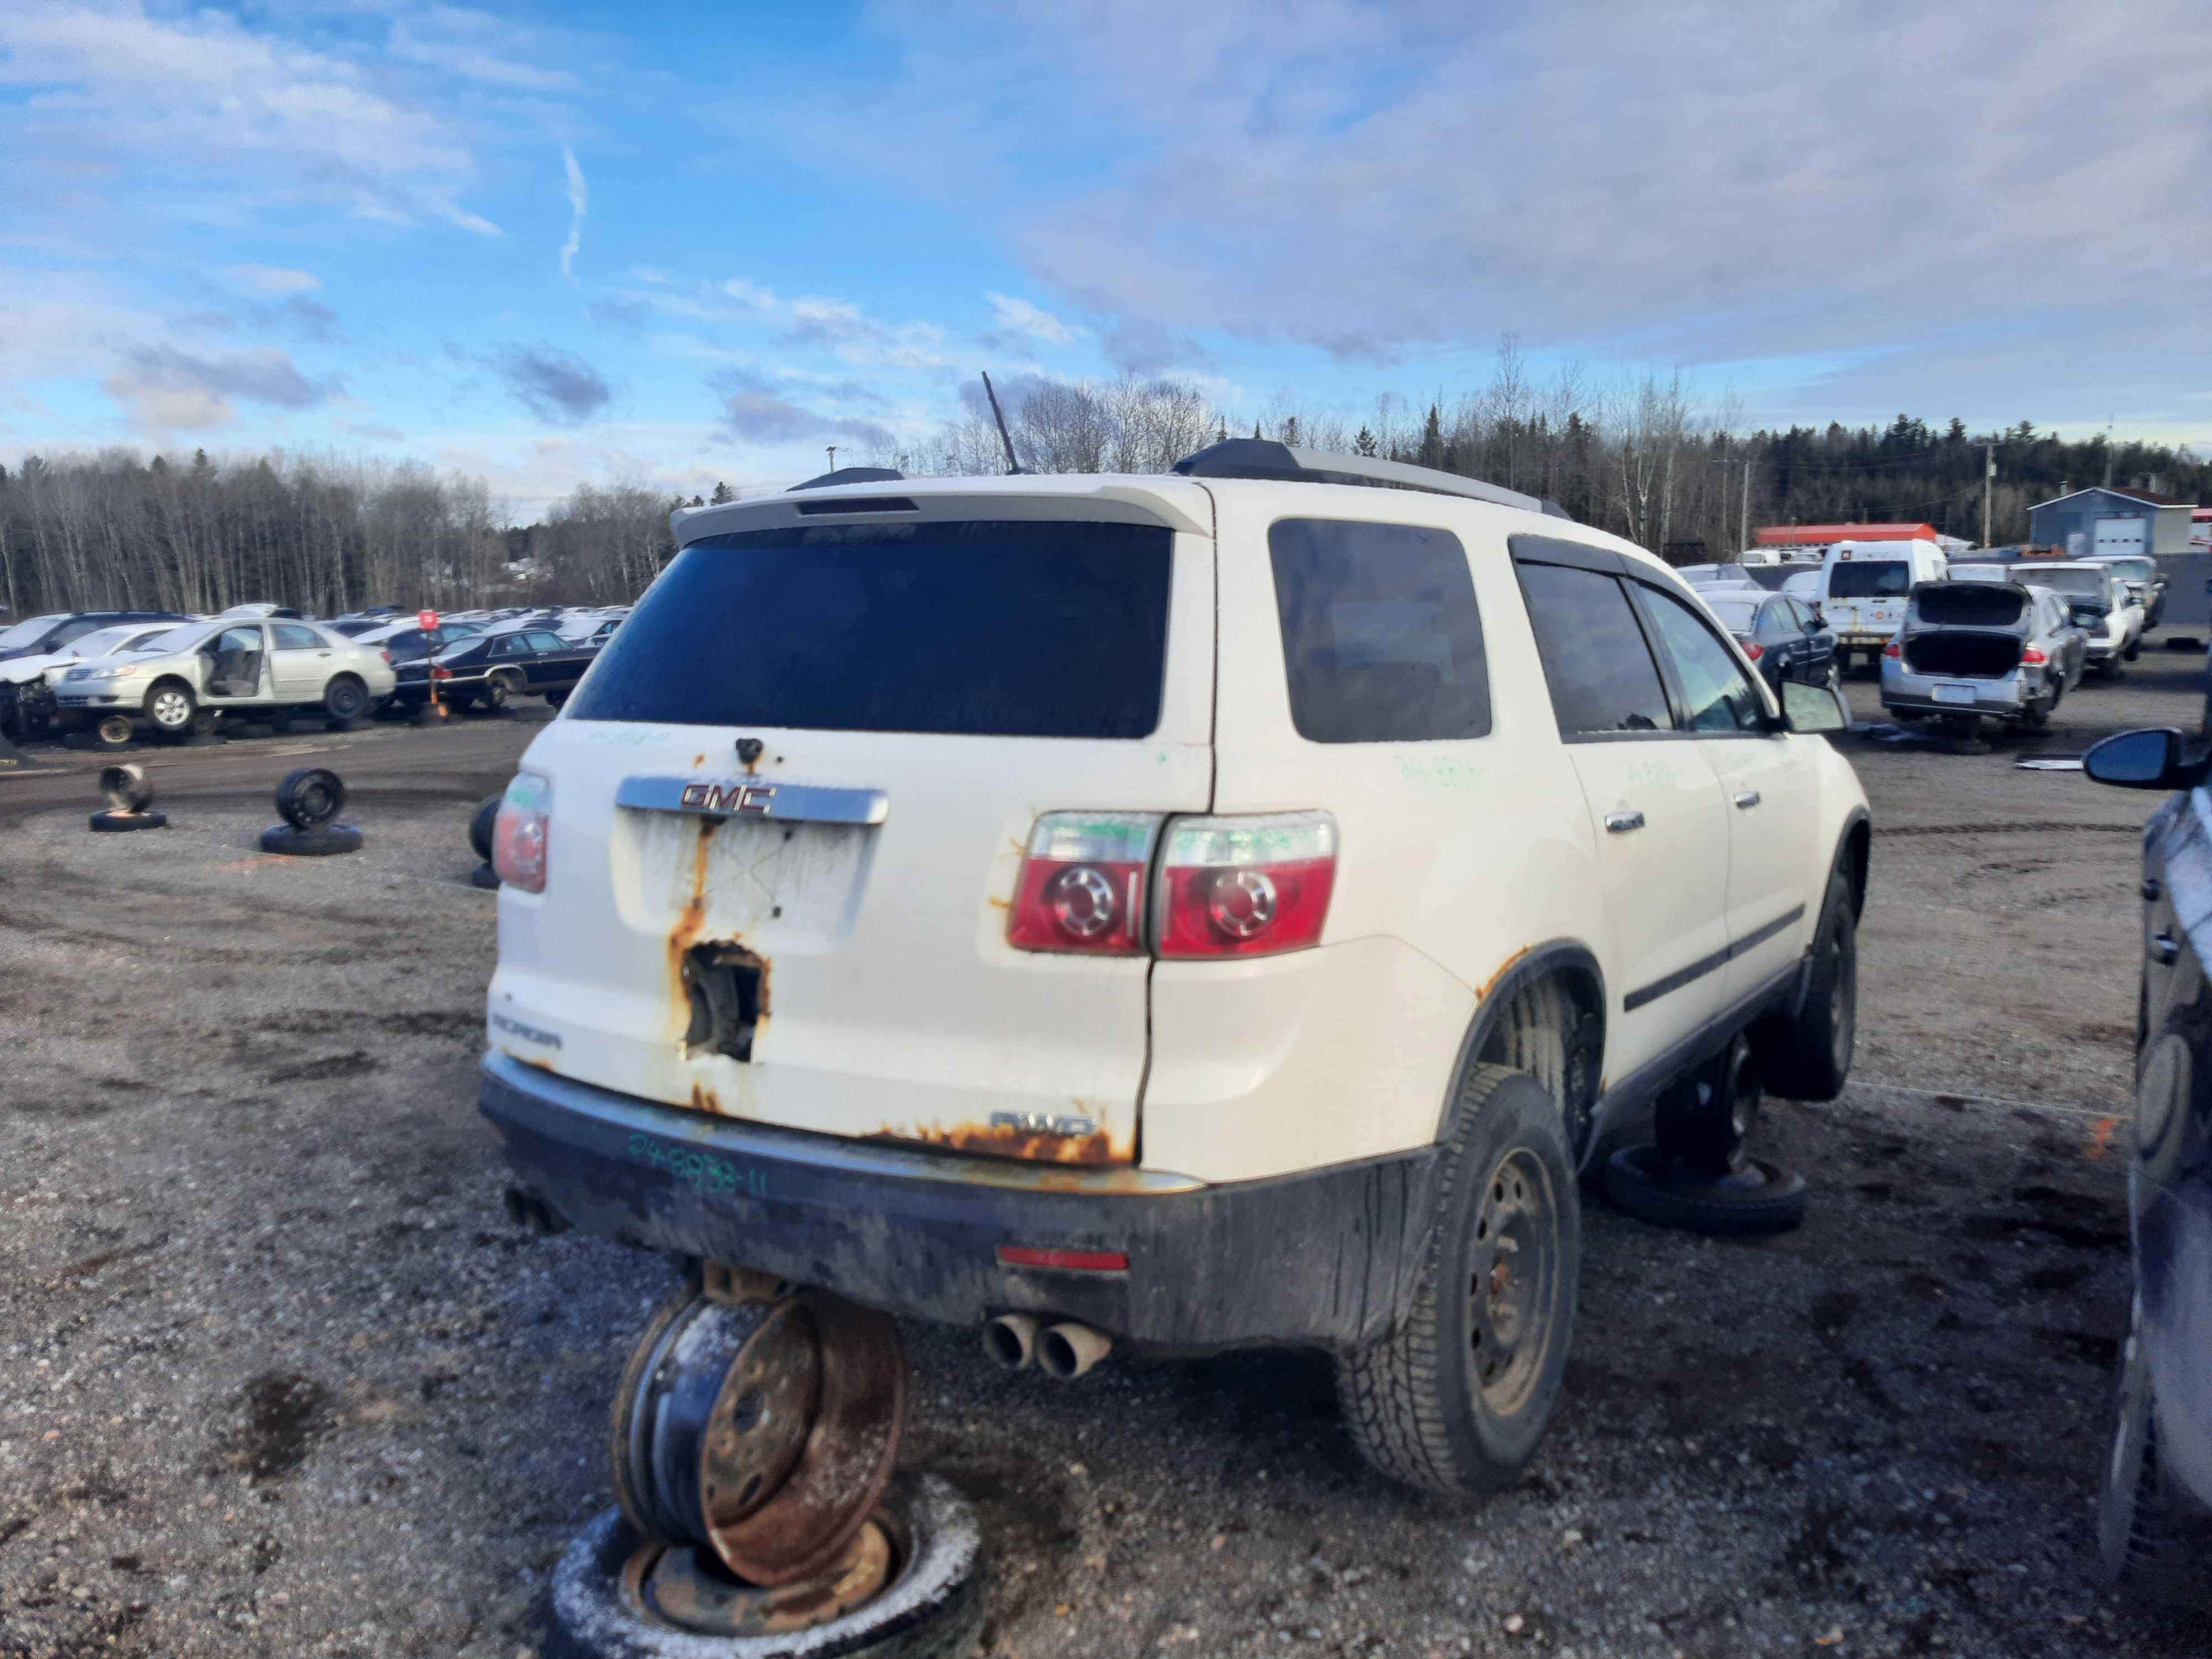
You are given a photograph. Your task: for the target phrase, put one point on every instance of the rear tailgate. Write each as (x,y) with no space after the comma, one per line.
(790,801)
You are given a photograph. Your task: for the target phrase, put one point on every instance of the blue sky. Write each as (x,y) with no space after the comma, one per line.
(669,244)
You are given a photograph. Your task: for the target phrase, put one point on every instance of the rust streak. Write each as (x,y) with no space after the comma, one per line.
(1504,968)
(703,1100)
(1005,1142)
(685,934)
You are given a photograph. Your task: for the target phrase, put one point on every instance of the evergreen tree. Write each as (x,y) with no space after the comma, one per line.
(722,493)
(1363,443)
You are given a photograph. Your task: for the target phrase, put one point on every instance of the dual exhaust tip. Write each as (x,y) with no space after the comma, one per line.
(1066,1350)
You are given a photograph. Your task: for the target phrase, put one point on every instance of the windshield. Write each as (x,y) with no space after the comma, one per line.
(1048,629)
(2076,582)
(29,631)
(1737,615)
(2133,570)
(100,643)
(176,639)
(1869,579)
(1981,572)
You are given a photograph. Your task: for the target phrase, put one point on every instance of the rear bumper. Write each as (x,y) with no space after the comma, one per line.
(2005,699)
(1324,1258)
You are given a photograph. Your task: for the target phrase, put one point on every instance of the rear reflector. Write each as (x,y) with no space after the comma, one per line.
(1245,886)
(1074,1261)
(1082,886)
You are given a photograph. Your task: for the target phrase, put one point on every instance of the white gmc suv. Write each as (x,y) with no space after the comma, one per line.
(1195,912)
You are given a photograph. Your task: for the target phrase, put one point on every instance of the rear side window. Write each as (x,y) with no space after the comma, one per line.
(1595,659)
(291,636)
(1046,629)
(1380,637)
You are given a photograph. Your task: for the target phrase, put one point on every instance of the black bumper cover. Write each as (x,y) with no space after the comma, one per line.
(1324,1258)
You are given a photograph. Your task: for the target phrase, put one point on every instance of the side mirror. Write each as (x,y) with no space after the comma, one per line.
(2154,757)
(1814,707)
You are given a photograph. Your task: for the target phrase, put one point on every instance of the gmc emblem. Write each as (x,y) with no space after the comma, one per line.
(755,798)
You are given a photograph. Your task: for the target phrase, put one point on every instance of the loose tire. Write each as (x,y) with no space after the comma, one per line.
(1456,1398)
(169,708)
(480,825)
(310,797)
(1756,1198)
(1807,1055)
(115,821)
(2154,1543)
(114,732)
(320,843)
(931,1610)
(345,699)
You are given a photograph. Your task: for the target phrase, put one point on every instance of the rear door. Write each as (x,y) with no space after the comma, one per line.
(792,799)
(300,662)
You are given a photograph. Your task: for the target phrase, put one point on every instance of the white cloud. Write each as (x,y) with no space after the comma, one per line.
(267,282)
(477,46)
(1033,321)
(844,328)
(579,198)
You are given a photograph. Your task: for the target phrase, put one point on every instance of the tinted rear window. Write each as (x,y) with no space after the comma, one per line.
(1970,605)
(1044,630)
(1599,665)
(1869,579)
(1380,637)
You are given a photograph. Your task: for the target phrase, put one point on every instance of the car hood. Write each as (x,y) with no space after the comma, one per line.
(20,670)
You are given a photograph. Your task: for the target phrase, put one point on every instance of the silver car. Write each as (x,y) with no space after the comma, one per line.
(1970,651)
(231,663)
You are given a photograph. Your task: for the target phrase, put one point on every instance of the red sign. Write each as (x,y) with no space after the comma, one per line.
(426,621)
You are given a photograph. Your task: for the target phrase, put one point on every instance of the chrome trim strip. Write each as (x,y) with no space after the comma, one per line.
(755,798)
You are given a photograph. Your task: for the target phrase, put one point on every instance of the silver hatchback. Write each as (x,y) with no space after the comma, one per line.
(1974,650)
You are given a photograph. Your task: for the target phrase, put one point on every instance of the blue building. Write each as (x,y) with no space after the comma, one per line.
(2099,519)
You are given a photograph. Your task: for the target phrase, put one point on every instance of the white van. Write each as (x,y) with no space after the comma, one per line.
(1864,587)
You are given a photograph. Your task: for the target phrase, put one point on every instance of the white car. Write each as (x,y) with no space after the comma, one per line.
(229,663)
(1184,912)
(26,698)
(2104,602)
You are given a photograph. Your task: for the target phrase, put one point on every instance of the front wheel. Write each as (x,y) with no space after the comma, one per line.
(1807,1055)
(169,708)
(1456,1400)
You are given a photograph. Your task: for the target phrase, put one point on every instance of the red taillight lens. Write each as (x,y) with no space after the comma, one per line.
(1071,1261)
(438,673)
(1753,649)
(2034,656)
(386,655)
(1082,886)
(1245,886)
(519,834)
(1892,649)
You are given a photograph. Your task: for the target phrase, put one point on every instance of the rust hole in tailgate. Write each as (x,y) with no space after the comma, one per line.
(725,987)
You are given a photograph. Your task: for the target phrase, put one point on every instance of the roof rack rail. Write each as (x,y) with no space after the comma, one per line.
(845,475)
(1263,458)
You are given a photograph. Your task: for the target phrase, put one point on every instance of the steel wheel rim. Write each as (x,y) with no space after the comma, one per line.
(1513,1278)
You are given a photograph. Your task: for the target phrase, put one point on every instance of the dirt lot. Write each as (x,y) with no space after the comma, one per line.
(280,1377)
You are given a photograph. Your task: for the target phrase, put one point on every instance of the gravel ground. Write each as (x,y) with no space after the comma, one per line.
(280,1377)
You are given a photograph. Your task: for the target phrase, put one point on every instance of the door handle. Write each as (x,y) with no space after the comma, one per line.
(2164,949)
(1620,824)
(1747,799)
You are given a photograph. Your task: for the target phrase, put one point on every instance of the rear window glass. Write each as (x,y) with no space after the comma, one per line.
(1052,629)
(1971,604)
(2077,582)
(1596,657)
(1869,579)
(1380,637)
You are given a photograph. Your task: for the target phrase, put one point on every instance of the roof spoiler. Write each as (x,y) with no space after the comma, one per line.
(1263,458)
(847,475)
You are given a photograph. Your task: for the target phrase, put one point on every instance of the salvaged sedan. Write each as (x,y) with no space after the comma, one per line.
(224,665)
(1974,650)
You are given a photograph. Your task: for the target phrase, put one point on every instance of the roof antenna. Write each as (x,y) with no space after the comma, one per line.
(998,415)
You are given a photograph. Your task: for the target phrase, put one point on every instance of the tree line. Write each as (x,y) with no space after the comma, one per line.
(1648,458)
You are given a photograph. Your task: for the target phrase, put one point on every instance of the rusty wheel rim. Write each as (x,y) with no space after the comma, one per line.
(1513,1276)
(680,1585)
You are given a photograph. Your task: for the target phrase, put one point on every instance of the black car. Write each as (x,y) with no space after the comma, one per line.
(1784,637)
(2154,1518)
(35,636)
(492,670)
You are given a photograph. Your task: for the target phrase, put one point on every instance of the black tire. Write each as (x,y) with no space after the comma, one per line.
(2133,650)
(2155,1544)
(206,723)
(113,731)
(1807,1055)
(1758,1198)
(1704,1121)
(115,821)
(12,724)
(1449,1402)
(555,698)
(320,843)
(480,825)
(1961,726)
(485,876)
(933,1610)
(499,688)
(310,797)
(170,707)
(345,699)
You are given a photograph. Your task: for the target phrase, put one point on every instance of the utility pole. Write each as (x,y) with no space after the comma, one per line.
(1743,512)
(1988,473)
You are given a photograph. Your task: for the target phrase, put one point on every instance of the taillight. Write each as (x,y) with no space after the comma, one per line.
(519,834)
(1892,649)
(2034,656)
(1753,649)
(1082,886)
(1245,886)
(438,673)
(386,655)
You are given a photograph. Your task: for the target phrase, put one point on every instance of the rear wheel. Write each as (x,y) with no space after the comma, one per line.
(1456,1400)
(501,689)
(2154,1542)
(1807,1055)
(345,699)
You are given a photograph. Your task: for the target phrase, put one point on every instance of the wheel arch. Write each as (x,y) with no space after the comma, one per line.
(1574,966)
